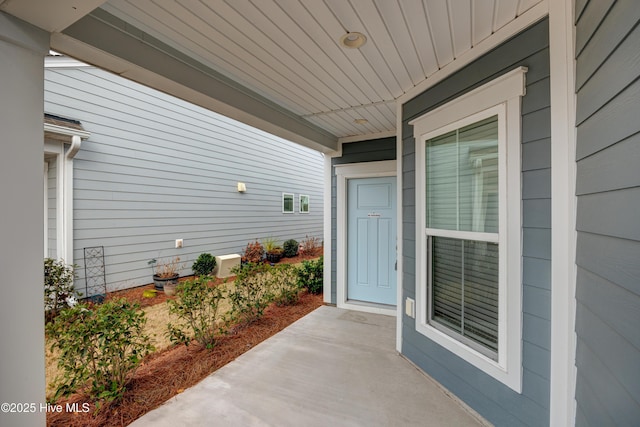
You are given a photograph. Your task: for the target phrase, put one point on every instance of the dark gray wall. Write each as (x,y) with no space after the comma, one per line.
(493,400)
(354,152)
(608,219)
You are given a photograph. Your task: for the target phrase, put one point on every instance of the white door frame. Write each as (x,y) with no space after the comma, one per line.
(343,173)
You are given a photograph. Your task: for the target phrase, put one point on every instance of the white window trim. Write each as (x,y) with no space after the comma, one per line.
(293,200)
(502,97)
(300,203)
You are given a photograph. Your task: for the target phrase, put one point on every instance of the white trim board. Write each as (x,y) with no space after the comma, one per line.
(399,251)
(62,130)
(326,279)
(345,172)
(367,137)
(562,410)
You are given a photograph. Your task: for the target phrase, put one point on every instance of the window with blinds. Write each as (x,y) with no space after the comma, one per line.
(462,222)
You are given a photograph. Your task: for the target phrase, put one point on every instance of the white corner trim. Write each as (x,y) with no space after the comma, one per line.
(46,209)
(345,172)
(562,411)
(399,250)
(64,195)
(326,287)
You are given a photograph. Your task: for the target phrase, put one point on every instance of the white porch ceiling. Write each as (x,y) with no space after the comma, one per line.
(286,54)
(289,51)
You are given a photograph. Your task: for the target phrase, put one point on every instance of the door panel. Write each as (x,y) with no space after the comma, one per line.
(371,240)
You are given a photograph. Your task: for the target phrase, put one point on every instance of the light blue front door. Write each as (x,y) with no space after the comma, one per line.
(371,240)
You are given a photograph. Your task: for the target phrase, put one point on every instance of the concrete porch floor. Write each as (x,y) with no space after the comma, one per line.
(331,368)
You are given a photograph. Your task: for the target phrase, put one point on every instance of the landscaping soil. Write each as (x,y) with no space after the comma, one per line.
(134,295)
(169,372)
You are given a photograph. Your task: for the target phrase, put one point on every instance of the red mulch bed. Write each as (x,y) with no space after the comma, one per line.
(167,373)
(135,294)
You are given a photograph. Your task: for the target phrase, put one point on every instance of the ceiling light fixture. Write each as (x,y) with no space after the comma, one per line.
(361,121)
(353,40)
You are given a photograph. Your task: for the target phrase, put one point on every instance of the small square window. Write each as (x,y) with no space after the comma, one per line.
(287,203)
(304,204)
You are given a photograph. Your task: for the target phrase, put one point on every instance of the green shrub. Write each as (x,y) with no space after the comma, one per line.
(290,248)
(310,275)
(100,347)
(252,292)
(204,265)
(58,287)
(197,307)
(285,284)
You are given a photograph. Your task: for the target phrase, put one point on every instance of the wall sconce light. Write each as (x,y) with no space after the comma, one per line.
(242,188)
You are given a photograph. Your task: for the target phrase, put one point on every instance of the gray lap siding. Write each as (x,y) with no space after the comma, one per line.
(156,169)
(608,193)
(489,397)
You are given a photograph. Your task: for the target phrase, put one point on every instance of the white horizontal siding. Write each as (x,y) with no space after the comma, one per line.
(158,169)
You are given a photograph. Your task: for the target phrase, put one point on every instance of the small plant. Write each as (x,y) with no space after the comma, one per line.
(271,245)
(166,268)
(204,265)
(311,246)
(58,287)
(253,253)
(197,306)
(272,249)
(252,292)
(100,346)
(150,293)
(286,287)
(290,248)
(310,275)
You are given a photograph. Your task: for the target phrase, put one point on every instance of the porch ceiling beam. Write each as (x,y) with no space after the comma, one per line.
(108,42)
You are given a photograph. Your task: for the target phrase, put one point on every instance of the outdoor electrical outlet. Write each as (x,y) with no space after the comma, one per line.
(179,243)
(410,307)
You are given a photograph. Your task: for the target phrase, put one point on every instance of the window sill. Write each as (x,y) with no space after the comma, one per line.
(509,376)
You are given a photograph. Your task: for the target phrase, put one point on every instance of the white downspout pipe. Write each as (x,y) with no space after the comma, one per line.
(67,208)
